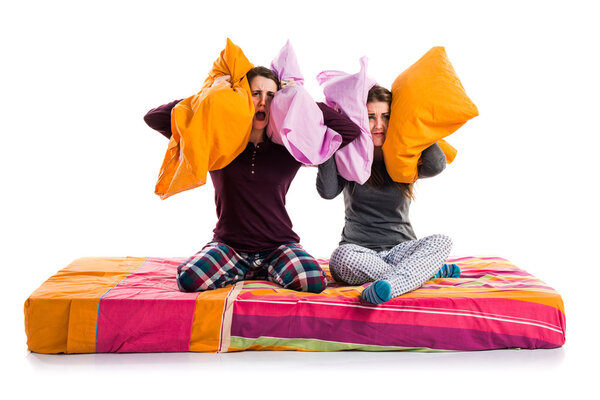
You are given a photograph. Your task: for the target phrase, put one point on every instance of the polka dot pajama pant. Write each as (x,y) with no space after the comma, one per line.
(406,267)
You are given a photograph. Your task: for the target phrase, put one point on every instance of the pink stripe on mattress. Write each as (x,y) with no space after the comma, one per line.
(488,306)
(357,332)
(146,312)
(492,315)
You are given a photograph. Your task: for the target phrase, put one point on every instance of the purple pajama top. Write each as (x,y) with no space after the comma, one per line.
(250,191)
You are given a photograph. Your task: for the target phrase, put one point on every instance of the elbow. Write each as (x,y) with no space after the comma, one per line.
(153,120)
(433,162)
(347,139)
(433,168)
(148,119)
(355,132)
(160,125)
(326,193)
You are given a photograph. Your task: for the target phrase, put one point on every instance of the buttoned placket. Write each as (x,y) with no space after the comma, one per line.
(253,160)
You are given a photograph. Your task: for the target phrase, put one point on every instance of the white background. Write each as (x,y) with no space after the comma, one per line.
(78,169)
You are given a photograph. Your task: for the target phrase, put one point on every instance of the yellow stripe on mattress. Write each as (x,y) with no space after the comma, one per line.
(539,296)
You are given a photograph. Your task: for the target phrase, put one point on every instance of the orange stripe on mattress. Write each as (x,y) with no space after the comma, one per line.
(545,297)
(206,328)
(61,315)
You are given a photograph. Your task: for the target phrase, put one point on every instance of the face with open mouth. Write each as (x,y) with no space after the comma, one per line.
(263,89)
(379,118)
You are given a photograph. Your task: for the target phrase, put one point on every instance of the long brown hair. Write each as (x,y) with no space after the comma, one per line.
(377,179)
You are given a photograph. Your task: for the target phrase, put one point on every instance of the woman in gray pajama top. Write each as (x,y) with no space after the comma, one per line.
(378,242)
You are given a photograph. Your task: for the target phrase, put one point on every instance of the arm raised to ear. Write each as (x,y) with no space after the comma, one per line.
(432,162)
(347,129)
(159,118)
(329,183)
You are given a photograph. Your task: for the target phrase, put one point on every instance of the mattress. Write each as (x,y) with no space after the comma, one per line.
(132,304)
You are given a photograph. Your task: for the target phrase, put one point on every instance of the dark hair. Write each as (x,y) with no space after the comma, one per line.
(379,93)
(265,73)
(377,179)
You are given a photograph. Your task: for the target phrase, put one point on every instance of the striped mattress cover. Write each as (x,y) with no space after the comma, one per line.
(133,305)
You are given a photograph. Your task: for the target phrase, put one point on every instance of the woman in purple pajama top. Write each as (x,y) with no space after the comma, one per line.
(254,238)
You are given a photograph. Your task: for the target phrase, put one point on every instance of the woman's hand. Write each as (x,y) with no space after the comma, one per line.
(287,83)
(223,78)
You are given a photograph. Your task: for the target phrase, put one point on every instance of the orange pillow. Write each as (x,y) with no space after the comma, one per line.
(428,104)
(449,151)
(211,128)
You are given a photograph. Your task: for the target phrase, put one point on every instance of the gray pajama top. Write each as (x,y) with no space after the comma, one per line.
(376,218)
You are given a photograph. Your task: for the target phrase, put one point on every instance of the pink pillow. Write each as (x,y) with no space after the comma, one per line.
(295,120)
(348,94)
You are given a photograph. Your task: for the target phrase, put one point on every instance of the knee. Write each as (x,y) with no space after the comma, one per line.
(442,240)
(335,263)
(185,283)
(311,279)
(339,261)
(442,244)
(187,275)
(335,257)
(316,281)
(185,279)
(191,274)
(295,269)
(339,254)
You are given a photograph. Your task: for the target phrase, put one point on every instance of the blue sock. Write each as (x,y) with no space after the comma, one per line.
(377,292)
(448,271)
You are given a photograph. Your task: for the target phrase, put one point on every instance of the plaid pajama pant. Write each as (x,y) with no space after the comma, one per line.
(218,265)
